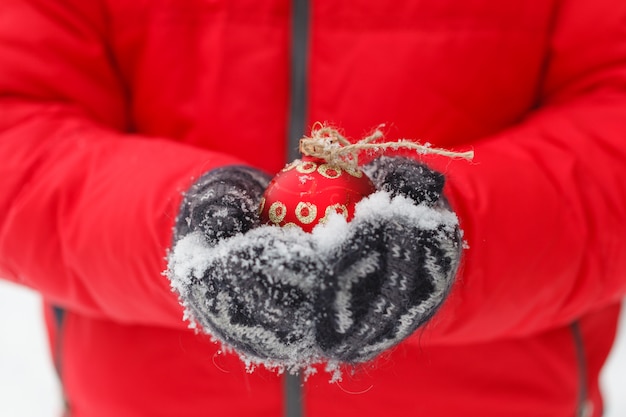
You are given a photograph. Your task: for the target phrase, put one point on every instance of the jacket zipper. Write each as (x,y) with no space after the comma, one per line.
(300,26)
(298,84)
(59,315)
(584,407)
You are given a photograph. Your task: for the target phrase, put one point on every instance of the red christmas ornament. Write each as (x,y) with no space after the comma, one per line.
(307,191)
(328,178)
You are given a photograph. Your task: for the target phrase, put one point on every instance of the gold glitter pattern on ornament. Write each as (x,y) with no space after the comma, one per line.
(335,208)
(329,171)
(306,212)
(277,212)
(261,205)
(306,167)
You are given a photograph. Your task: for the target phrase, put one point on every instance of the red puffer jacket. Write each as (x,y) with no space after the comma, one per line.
(109,109)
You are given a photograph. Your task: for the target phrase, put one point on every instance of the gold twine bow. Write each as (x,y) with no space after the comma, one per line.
(328,144)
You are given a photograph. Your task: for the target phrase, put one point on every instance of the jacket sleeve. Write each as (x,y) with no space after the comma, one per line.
(85,211)
(543,204)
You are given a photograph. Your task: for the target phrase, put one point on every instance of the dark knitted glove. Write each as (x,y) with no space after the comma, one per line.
(394,269)
(342,294)
(222,203)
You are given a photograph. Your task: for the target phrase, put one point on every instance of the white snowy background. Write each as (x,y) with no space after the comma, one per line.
(28,386)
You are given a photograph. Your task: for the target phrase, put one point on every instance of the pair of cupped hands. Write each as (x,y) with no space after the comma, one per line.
(344,293)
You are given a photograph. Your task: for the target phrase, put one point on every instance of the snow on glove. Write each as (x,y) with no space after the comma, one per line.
(341,294)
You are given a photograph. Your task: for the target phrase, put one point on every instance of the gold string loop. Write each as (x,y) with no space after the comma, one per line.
(328,144)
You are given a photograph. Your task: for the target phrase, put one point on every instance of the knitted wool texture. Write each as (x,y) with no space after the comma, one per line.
(342,294)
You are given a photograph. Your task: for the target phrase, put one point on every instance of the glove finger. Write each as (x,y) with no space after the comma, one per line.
(232,192)
(408,178)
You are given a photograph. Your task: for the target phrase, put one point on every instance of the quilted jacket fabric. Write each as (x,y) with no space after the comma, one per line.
(110,109)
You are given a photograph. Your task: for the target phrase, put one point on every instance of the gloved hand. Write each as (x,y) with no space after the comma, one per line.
(395,266)
(342,294)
